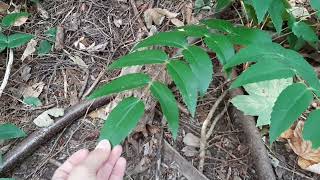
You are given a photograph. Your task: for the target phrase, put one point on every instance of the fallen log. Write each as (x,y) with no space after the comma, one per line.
(26,147)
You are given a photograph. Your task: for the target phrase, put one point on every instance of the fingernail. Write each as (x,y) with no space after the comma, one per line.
(104,144)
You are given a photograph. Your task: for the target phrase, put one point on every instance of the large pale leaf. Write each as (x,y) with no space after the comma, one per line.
(10,19)
(201,66)
(122,120)
(18,39)
(187,84)
(261,98)
(304,31)
(221,45)
(219,24)
(10,131)
(140,58)
(311,130)
(261,8)
(276,11)
(246,36)
(126,82)
(291,103)
(263,71)
(171,39)
(168,105)
(275,52)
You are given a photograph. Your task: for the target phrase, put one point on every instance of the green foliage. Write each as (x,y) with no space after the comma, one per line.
(18,39)
(261,98)
(10,19)
(122,120)
(120,84)
(261,8)
(276,11)
(311,129)
(315,4)
(168,105)
(44,47)
(3,42)
(222,4)
(51,34)
(271,97)
(10,131)
(201,66)
(304,31)
(187,84)
(291,103)
(32,101)
(140,58)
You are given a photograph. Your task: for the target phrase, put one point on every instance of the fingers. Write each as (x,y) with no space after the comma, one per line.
(97,157)
(64,170)
(118,170)
(106,170)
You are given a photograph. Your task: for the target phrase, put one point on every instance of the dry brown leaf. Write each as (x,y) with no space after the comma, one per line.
(157,15)
(30,49)
(307,156)
(187,12)
(34,90)
(98,114)
(44,119)
(43,13)
(189,151)
(4,7)
(191,140)
(300,12)
(117,22)
(177,22)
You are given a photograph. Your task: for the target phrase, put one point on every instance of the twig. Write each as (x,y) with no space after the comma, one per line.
(216,119)
(203,140)
(85,83)
(159,152)
(136,13)
(94,84)
(185,167)
(7,73)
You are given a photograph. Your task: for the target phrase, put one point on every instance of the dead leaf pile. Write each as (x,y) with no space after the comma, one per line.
(157,15)
(309,159)
(44,119)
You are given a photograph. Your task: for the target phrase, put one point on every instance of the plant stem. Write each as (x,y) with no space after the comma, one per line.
(7,73)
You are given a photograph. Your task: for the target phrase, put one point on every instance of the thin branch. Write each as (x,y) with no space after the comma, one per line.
(203,140)
(7,73)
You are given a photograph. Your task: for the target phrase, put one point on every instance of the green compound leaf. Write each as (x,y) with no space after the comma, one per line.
(171,39)
(221,45)
(44,47)
(3,42)
(32,101)
(122,120)
(261,8)
(275,52)
(18,39)
(10,19)
(315,4)
(263,71)
(222,4)
(276,11)
(219,24)
(311,130)
(194,30)
(187,84)
(245,36)
(168,105)
(295,42)
(140,58)
(261,98)
(291,103)
(201,66)
(10,131)
(126,82)
(304,31)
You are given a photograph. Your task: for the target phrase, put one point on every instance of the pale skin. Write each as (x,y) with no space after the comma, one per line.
(103,163)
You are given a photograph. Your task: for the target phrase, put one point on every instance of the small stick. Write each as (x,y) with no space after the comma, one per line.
(216,119)
(136,13)
(7,73)
(203,140)
(94,84)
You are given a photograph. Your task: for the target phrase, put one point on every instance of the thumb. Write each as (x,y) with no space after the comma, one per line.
(97,157)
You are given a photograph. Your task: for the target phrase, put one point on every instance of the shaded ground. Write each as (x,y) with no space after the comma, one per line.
(228,157)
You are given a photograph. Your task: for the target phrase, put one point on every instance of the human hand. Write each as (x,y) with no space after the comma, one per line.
(100,164)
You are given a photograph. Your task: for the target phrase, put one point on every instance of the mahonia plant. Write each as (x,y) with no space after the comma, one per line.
(192,75)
